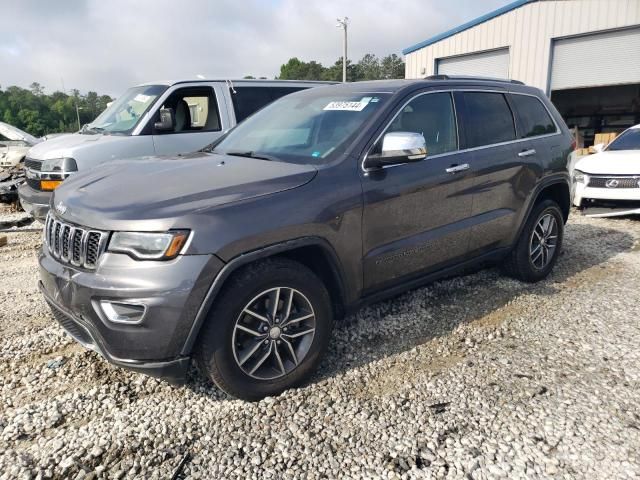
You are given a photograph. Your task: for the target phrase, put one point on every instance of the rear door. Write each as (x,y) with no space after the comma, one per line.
(416,215)
(198,121)
(502,182)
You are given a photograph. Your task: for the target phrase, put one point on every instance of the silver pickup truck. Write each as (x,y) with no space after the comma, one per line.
(159,118)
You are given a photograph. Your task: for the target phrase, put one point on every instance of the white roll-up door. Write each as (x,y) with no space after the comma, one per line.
(485,64)
(594,60)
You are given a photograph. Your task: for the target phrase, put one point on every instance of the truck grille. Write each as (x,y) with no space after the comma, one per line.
(33,183)
(614,182)
(33,164)
(75,245)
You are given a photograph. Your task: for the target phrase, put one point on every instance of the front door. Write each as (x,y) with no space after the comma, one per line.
(416,215)
(197,121)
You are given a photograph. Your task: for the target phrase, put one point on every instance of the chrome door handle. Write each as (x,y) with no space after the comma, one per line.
(457,168)
(527,153)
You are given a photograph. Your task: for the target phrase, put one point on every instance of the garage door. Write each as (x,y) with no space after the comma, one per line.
(487,64)
(595,60)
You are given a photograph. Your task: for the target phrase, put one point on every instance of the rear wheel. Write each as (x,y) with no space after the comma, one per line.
(267,330)
(538,247)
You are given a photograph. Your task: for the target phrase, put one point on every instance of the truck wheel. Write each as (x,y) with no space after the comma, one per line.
(267,330)
(538,247)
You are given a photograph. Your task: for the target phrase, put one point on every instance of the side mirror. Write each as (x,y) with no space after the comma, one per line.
(167,120)
(599,147)
(397,148)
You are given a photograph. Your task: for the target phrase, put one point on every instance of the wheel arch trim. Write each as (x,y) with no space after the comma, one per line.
(556,179)
(249,257)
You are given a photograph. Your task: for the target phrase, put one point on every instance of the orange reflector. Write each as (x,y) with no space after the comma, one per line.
(176,244)
(49,185)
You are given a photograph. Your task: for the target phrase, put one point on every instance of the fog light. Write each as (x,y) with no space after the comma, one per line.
(127,313)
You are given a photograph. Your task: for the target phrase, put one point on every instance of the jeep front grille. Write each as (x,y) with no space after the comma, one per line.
(72,244)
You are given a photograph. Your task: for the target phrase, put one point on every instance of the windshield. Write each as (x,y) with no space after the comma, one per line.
(125,112)
(629,140)
(305,126)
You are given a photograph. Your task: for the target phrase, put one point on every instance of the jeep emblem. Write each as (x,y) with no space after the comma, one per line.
(61,208)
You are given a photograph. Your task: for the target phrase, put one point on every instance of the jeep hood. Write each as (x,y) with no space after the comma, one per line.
(156,193)
(613,162)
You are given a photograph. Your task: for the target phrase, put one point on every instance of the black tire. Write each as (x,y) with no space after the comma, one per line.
(216,351)
(519,263)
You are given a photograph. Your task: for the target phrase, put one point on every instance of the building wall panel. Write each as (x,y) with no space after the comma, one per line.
(528,31)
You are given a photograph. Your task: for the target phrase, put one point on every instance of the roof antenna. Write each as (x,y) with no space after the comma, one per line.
(230,84)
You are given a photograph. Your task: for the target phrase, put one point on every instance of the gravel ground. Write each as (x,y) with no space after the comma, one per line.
(473,377)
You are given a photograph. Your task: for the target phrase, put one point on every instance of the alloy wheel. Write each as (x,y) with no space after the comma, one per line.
(544,241)
(273,333)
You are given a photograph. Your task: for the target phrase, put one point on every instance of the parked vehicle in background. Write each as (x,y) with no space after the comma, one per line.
(244,254)
(162,118)
(14,144)
(607,183)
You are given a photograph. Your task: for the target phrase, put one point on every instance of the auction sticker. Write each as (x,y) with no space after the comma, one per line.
(349,106)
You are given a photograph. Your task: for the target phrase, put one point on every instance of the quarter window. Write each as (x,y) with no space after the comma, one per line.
(489,119)
(534,118)
(248,100)
(432,116)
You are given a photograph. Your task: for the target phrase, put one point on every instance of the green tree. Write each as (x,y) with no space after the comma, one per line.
(36,112)
(392,66)
(296,69)
(369,67)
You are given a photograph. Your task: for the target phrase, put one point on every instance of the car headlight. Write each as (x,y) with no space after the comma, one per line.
(580,177)
(149,246)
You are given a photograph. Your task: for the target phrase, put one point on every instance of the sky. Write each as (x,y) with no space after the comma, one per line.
(110,45)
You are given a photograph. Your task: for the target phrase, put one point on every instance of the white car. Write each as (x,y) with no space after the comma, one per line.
(607,183)
(14,144)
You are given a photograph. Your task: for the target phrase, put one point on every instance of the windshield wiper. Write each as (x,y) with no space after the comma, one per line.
(88,128)
(251,154)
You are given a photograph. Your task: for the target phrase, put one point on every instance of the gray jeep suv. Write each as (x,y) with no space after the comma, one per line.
(242,255)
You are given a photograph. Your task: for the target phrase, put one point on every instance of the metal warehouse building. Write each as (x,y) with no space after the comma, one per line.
(585,54)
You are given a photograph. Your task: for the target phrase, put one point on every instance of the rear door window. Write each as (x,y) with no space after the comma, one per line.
(488,119)
(248,100)
(533,118)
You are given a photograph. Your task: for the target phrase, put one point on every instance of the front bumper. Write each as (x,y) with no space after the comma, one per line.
(607,202)
(171,291)
(34,202)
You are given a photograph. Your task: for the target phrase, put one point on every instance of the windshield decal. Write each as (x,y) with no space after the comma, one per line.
(349,106)
(142,98)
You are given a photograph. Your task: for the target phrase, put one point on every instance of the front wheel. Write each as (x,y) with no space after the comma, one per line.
(267,330)
(539,244)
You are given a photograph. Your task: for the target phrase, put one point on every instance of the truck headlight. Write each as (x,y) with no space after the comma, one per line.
(54,171)
(580,177)
(59,165)
(149,246)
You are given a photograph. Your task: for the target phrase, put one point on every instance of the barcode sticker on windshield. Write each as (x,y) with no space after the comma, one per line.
(349,106)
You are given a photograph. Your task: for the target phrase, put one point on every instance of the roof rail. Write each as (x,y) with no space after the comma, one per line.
(471,77)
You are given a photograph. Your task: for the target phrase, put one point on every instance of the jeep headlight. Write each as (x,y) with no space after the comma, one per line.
(149,246)
(580,177)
